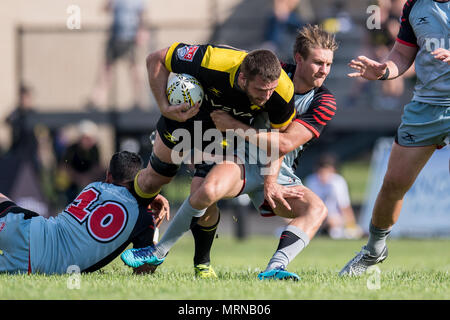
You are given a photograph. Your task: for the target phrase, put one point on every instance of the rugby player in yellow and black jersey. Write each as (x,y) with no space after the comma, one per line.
(242,84)
(219,69)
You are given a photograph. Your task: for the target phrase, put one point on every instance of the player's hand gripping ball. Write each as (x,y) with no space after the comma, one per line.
(183,88)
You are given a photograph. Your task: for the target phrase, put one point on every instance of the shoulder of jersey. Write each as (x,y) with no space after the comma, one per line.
(285,87)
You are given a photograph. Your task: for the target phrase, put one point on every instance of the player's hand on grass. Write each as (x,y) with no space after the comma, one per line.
(442,54)
(367,68)
(275,194)
(161,209)
(181,112)
(223,120)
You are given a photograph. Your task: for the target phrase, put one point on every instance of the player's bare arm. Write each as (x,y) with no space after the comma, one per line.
(287,139)
(398,62)
(157,78)
(293,137)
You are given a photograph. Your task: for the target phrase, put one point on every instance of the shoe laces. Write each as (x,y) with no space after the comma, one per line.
(143,252)
(359,256)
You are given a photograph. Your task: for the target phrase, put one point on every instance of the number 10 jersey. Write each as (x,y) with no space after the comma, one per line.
(91,231)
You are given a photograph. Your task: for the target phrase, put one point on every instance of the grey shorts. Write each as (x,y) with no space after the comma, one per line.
(254,185)
(424,124)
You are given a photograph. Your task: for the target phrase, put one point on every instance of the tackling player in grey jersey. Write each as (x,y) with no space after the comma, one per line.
(91,231)
(423,37)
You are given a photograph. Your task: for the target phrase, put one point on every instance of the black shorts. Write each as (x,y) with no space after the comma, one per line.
(166,128)
(117,49)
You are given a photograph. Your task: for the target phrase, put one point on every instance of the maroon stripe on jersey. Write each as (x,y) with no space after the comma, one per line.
(331,113)
(329,105)
(310,127)
(407,43)
(324,117)
(319,121)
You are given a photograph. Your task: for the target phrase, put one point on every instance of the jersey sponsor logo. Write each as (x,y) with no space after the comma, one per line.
(214,91)
(422,20)
(229,109)
(187,53)
(170,137)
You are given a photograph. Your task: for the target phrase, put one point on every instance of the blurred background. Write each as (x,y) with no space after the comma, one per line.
(74,90)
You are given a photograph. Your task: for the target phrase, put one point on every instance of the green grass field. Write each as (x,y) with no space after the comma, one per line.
(415,269)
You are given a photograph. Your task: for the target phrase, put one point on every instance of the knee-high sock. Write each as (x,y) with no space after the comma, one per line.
(292,242)
(180,224)
(203,238)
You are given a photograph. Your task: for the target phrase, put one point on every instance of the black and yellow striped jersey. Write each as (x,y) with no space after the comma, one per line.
(217,69)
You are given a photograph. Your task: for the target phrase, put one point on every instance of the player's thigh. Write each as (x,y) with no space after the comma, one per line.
(224,180)
(405,163)
(309,204)
(163,152)
(212,212)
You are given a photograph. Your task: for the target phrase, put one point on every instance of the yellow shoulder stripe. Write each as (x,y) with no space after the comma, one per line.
(168,61)
(223,59)
(285,87)
(276,126)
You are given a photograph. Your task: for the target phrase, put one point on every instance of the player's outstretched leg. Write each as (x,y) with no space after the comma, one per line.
(154,255)
(404,165)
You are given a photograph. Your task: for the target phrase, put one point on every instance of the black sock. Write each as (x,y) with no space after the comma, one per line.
(203,239)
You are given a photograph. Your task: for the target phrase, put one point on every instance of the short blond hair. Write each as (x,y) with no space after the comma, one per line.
(313,36)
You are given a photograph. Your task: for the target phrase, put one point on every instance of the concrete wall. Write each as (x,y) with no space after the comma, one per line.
(61,65)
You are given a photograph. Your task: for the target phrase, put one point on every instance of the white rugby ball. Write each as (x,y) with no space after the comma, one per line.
(183,88)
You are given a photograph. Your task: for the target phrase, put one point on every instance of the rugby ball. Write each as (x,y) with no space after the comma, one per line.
(183,88)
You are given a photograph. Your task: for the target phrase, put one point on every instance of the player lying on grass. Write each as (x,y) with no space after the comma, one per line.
(91,231)
(425,122)
(315,106)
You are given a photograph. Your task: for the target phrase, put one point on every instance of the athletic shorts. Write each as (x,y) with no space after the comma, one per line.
(254,185)
(191,129)
(194,133)
(117,49)
(15,238)
(424,124)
